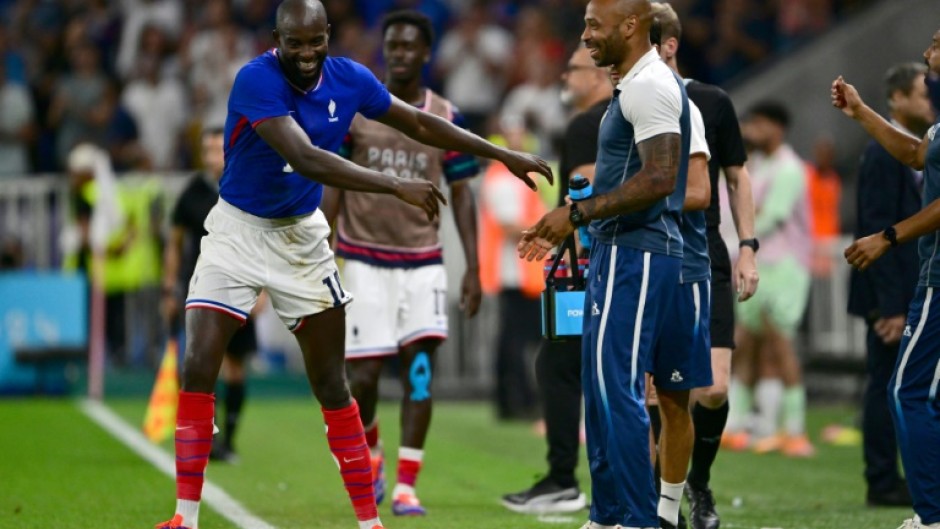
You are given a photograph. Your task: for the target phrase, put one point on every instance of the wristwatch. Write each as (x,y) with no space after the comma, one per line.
(575,216)
(891,235)
(753,244)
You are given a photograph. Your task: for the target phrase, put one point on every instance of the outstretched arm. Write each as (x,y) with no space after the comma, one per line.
(905,148)
(286,137)
(438,132)
(655,180)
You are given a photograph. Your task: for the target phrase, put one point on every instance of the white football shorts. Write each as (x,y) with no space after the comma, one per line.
(289,257)
(394,307)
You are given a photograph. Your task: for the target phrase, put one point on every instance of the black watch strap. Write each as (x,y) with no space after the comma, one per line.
(891,235)
(752,243)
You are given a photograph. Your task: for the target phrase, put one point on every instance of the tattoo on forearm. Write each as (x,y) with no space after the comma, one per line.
(655,180)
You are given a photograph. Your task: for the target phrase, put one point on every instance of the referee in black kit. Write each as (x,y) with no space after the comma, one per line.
(558,367)
(723,135)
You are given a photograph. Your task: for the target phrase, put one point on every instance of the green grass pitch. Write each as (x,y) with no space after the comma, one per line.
(59,470)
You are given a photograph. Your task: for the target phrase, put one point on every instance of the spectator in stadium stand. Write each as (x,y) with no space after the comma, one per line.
(84,103)
(634,272)
(290,109)
(888,192)
(394,258)
(17,126)
(913,386)
(710,411)
(558,364)
(473,61)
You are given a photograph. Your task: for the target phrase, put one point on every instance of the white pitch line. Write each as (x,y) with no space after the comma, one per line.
(212,495)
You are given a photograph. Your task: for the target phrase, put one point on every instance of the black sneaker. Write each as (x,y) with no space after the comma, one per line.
(546,497)
(702,513)
(663,524)
(899,496)
(223,453)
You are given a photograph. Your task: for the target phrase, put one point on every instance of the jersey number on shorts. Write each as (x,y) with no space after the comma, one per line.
(336,289)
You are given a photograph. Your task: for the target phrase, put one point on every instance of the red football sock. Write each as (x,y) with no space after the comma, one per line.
(408,471)
(372,434)
(193,442)
(348,444)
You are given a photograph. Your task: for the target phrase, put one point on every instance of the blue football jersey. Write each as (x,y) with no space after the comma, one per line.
(256,179)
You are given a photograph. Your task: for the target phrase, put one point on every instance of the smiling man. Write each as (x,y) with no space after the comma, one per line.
(636,258)
(289,111)
(394,258)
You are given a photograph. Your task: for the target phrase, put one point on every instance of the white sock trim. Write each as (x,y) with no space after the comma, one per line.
(369,524)
(411,454)
(670,498)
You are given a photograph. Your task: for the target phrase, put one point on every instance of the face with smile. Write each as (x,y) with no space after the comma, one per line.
(303,37)
(601,35)
(405,51)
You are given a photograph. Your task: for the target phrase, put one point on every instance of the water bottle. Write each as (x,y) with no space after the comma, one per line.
(579,188)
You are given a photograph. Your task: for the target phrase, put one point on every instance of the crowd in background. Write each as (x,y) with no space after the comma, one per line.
(143,77)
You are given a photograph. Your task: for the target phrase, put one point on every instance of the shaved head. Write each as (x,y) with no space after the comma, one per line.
(617,32)
(294,13)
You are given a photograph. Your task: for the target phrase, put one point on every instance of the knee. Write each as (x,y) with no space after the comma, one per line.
(363,376)
(714,396)
(332,393)
(199,372)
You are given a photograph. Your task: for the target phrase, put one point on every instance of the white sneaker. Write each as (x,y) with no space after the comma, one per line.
(594,525)
(915,523)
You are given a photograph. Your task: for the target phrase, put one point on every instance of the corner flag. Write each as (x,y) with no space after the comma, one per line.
(160,420)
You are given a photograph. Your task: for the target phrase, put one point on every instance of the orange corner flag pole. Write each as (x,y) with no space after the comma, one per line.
(160,420)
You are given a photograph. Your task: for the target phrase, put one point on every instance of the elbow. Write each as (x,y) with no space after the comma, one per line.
(700,201)
(665,185)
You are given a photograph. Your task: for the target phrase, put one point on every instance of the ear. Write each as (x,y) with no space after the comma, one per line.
(276,36)
(671,46)
(629,26)
(328,30)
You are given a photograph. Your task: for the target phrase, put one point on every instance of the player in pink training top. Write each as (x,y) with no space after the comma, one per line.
(289,111)
(394,259)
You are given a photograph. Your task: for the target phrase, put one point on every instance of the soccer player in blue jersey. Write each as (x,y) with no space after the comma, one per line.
(912,391)
(288,113)
(636,260)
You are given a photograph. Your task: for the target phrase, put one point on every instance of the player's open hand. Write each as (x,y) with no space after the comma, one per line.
(521,164)
(745,274)
(423,194)
(548,233)
(866,251)
(845,97)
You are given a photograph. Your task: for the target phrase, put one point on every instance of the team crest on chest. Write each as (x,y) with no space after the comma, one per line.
(332,108)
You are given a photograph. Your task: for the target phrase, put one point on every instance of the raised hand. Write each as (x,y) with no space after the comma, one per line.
(423,194)
(845,97)
(521,164)
(866,251)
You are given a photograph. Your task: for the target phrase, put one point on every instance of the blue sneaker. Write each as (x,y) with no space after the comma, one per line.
(378,476)
(407,505)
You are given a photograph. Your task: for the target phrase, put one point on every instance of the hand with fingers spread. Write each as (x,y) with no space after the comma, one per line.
(423,194)
(845,97)
(521,164)
(866,250)
(548,233)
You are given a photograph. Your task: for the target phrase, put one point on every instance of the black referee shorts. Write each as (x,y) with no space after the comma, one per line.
(722,321)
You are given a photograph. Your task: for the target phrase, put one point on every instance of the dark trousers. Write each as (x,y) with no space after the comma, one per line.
(519,332)
(558,373)
(880,443)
